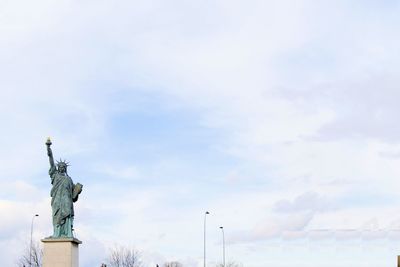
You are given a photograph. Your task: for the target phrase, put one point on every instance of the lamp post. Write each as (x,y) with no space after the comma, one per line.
(30,247)
(223,244)
(205,216)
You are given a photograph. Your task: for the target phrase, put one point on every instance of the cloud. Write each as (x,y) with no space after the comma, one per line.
(273,227)
(125,172)
(288,220)
(390,154)
(309,201)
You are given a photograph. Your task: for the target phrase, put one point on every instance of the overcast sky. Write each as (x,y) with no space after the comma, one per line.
(281,118)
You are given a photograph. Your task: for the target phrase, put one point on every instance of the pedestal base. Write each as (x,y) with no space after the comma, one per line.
(61,252)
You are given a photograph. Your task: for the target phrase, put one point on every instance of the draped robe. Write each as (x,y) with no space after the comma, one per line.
(61,203)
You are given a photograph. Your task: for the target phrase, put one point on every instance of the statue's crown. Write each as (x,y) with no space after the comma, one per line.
(62,163)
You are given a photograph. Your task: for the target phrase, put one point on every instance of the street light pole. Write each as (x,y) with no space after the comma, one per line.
(223,243)
(30,247)
(205,216)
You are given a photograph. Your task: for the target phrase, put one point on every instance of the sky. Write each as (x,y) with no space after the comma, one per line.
(280,118)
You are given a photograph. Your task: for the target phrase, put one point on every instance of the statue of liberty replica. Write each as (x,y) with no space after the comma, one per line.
(63,193)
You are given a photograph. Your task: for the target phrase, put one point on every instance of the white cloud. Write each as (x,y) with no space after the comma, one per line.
(123,172)
(309,201)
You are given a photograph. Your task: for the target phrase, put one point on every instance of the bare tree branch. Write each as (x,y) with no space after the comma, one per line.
(124,257)
(173,264)
(36,256)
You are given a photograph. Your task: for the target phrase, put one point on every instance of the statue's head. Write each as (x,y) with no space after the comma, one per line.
(62,166)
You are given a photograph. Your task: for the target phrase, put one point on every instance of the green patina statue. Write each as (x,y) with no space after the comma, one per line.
(63,193)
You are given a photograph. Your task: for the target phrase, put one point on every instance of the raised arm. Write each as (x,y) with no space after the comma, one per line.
(50,153)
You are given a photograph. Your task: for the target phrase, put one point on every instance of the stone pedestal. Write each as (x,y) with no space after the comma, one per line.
(61,252)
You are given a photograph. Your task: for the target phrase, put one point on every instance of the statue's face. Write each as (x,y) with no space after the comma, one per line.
(62,168)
